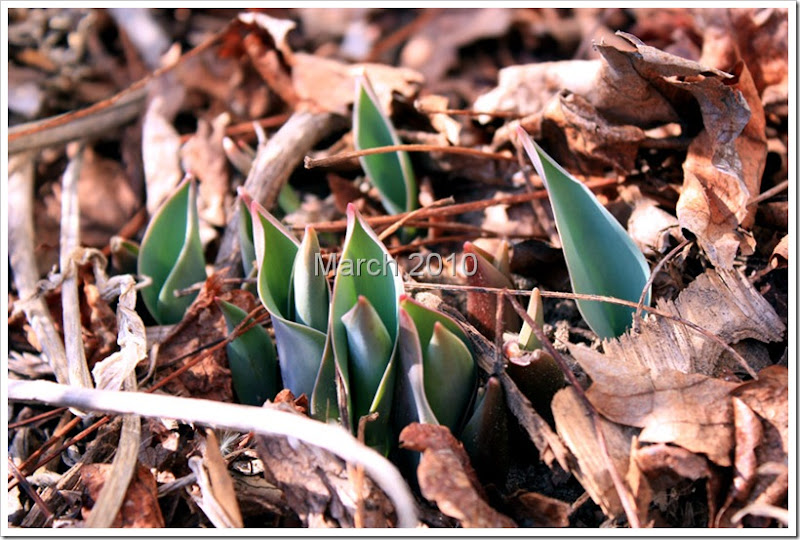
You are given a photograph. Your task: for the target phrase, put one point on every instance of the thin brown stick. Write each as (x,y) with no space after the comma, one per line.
(455,209)
(39,417)
(771,192)
(248,128)
(311,163)
(597,298)
(401,34)
(656,269)
(624,494)
(410,215)
(99,117)
(421,107)
(32,493)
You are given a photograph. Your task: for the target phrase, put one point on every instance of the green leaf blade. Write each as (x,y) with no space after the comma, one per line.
(310,286)
(172,255)
(450,376)
(601,257)
(251,358)
(391,173)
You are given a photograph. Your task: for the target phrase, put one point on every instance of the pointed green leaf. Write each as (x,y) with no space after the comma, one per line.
(171,254)
(601,257)
(490,271)
(411,403)
(251,356)
(300,351)
(300,347)
(246,244)
(485,436)
(276,250)
(310,285)
(366,269)
(527,339)
(450,376)
(370,348)
(390,173)
(423,388)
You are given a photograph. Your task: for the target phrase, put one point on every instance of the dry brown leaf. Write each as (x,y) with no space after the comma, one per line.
(780,255)
(763,37)
(329,85)
(107,201)
(724,164)
(204,157)
(748,436)
(317,486)
(221,484)
(689,410)
(447,479)
(761,466)
(525,89)
(665,466)
(202,325)
(723,302)
(575,426)
(543,511)
(768,397)
(596,142)
(99,324)
(140,508)
(434,48)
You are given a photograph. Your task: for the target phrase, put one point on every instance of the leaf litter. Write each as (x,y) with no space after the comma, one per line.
(680,120)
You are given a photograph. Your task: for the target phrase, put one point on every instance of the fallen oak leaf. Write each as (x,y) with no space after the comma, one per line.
(447,478)
(690,410)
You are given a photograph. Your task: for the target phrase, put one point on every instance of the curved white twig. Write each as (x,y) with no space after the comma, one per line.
(265,420)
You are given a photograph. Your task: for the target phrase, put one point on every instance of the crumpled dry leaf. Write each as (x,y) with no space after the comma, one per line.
(329,85)
(723,302)
(140,508)
(319,487)
(780,254)
(111,372)
(596,142)
(763,38)
(203,324)
(576,429)
(666,466)
(649,226)
(543,511)
(762,438)
(447,478)
(725,162)
(107,201)
(525,89)
(689,410)
(434,48)
(204,157)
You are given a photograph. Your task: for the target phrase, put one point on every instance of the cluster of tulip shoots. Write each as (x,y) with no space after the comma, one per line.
(363,346)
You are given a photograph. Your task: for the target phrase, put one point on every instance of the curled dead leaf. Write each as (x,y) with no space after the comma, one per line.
(447,479)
